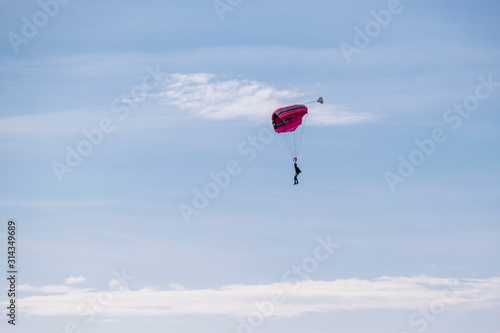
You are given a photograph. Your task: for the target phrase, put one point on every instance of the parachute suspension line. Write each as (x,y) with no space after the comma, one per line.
(289,142)
(289,122)
(294,140)
(300,135)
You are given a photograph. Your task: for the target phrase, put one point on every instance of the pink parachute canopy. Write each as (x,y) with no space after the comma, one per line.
(287,119)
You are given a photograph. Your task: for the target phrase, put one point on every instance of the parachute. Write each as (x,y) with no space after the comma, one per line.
(287,121)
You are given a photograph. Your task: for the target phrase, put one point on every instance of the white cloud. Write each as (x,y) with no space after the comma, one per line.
(205,95)
(328,115)
(115,284)
(74,280)
(199,95)
(240,300)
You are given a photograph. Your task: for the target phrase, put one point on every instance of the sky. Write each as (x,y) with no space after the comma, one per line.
(146,190)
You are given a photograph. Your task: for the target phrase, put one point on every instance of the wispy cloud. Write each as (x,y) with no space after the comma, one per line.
(328,115)
(238,300)
(205,95)
(75,280)
(200,95)
(209,96)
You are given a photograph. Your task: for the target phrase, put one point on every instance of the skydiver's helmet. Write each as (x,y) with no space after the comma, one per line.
(295,159)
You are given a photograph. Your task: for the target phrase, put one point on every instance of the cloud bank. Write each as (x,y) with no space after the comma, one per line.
(239,300)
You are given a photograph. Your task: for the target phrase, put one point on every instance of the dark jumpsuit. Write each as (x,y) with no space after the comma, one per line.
(297,171)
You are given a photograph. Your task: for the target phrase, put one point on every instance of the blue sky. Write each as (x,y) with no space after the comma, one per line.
(393,227)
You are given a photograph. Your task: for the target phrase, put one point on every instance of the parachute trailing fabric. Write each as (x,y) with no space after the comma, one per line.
(288,118)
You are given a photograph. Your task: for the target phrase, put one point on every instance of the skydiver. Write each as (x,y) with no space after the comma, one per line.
(297,171)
